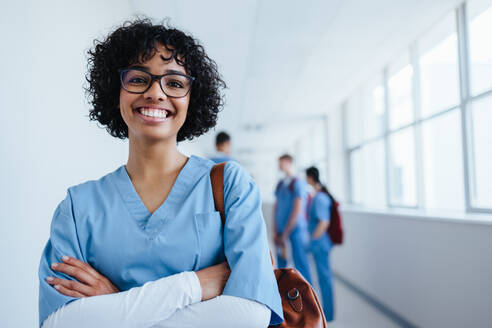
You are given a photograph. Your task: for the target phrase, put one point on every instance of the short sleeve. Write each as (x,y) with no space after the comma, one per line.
(63,240)
(299,189)
(246,245)
(322,207)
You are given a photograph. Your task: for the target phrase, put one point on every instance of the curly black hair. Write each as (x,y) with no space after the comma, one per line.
(136,41)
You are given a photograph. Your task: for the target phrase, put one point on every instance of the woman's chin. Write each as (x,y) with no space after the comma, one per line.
(155,135)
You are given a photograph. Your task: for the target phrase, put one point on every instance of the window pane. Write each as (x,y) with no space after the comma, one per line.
(374,184)
(482,150)
(402,168)
(354,119)
(356,176)
(443,162)
(439,67)
(373,109)
(480,27)
(317,145)
(400,96)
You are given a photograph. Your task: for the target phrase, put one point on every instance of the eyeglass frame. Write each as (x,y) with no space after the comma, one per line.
(152,78)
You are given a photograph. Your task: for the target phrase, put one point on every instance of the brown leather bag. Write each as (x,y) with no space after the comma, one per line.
(299,302)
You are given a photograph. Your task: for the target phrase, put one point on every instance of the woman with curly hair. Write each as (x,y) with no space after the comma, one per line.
(143,246)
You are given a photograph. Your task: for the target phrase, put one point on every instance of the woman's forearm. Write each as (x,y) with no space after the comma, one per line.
(140,307)
(221,311)
(321,228)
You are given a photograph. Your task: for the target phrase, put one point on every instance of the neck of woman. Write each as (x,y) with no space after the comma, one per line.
(149,160)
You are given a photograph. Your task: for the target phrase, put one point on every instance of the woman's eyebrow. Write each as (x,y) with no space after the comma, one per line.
(167,71)
(173,71)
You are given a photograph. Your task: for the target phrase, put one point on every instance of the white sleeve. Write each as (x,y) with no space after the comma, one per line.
(221,311)
(141,307)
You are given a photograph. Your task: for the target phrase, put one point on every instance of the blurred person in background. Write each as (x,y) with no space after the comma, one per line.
(321,244)
(223,148)
(290,222)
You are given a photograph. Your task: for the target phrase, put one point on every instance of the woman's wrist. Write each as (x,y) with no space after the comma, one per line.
(196,287)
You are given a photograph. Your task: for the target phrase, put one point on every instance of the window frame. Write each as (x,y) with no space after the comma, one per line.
(466,100)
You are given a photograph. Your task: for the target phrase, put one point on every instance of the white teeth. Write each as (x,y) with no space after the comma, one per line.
(154,113)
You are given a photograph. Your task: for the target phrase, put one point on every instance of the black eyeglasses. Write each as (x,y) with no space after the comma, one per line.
(174,85)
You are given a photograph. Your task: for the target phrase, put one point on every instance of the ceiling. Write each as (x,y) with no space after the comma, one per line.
(287,62)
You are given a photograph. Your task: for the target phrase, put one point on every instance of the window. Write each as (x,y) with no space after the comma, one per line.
(439,86)
(400,95)
(354,115)
(357,176)
(373,109)
(482,152)
(480,27)
(403,190)
(443,162)
(415,114)
(374,182)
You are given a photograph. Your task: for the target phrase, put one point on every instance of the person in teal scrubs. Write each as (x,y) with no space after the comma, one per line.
(290,222)
(154,216)
(321,244)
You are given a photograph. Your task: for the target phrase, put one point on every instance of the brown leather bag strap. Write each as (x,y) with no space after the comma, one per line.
(217,178)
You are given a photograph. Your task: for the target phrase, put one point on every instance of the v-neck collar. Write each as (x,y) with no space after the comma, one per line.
(150,223)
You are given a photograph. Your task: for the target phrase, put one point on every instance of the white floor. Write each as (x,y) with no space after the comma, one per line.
(353,312)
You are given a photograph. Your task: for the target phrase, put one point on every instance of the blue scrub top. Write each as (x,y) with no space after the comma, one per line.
(104,223)
(285,201)
(320,210)
(220,158)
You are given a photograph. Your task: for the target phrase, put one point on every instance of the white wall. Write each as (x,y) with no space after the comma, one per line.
(46,140)
(435,272)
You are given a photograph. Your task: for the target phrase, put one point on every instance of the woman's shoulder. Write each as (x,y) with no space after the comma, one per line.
(96,185)
(233,171)
(79,198)
(235,175)
(322,197)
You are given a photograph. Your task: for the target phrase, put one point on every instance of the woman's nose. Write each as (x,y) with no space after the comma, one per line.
(155,91)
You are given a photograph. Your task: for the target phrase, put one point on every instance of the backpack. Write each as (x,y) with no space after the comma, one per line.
(299,302)
(335,230)
(290,186)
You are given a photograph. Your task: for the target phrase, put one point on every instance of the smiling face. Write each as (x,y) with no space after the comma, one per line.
(153,115)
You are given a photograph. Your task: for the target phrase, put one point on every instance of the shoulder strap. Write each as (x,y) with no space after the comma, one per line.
(279,184)
(292,184)
(217,178)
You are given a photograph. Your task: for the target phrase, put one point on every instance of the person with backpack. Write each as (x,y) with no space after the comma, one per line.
(320,218)
(290,222)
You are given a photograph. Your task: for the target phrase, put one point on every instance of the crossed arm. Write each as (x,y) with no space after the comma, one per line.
(187,299)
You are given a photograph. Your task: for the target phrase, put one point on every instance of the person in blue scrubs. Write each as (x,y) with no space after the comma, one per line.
(320,245)
(155,216)
(223,148)
(290,222)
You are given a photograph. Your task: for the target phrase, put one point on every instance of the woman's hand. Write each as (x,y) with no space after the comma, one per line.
(213,280)
(90,282)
